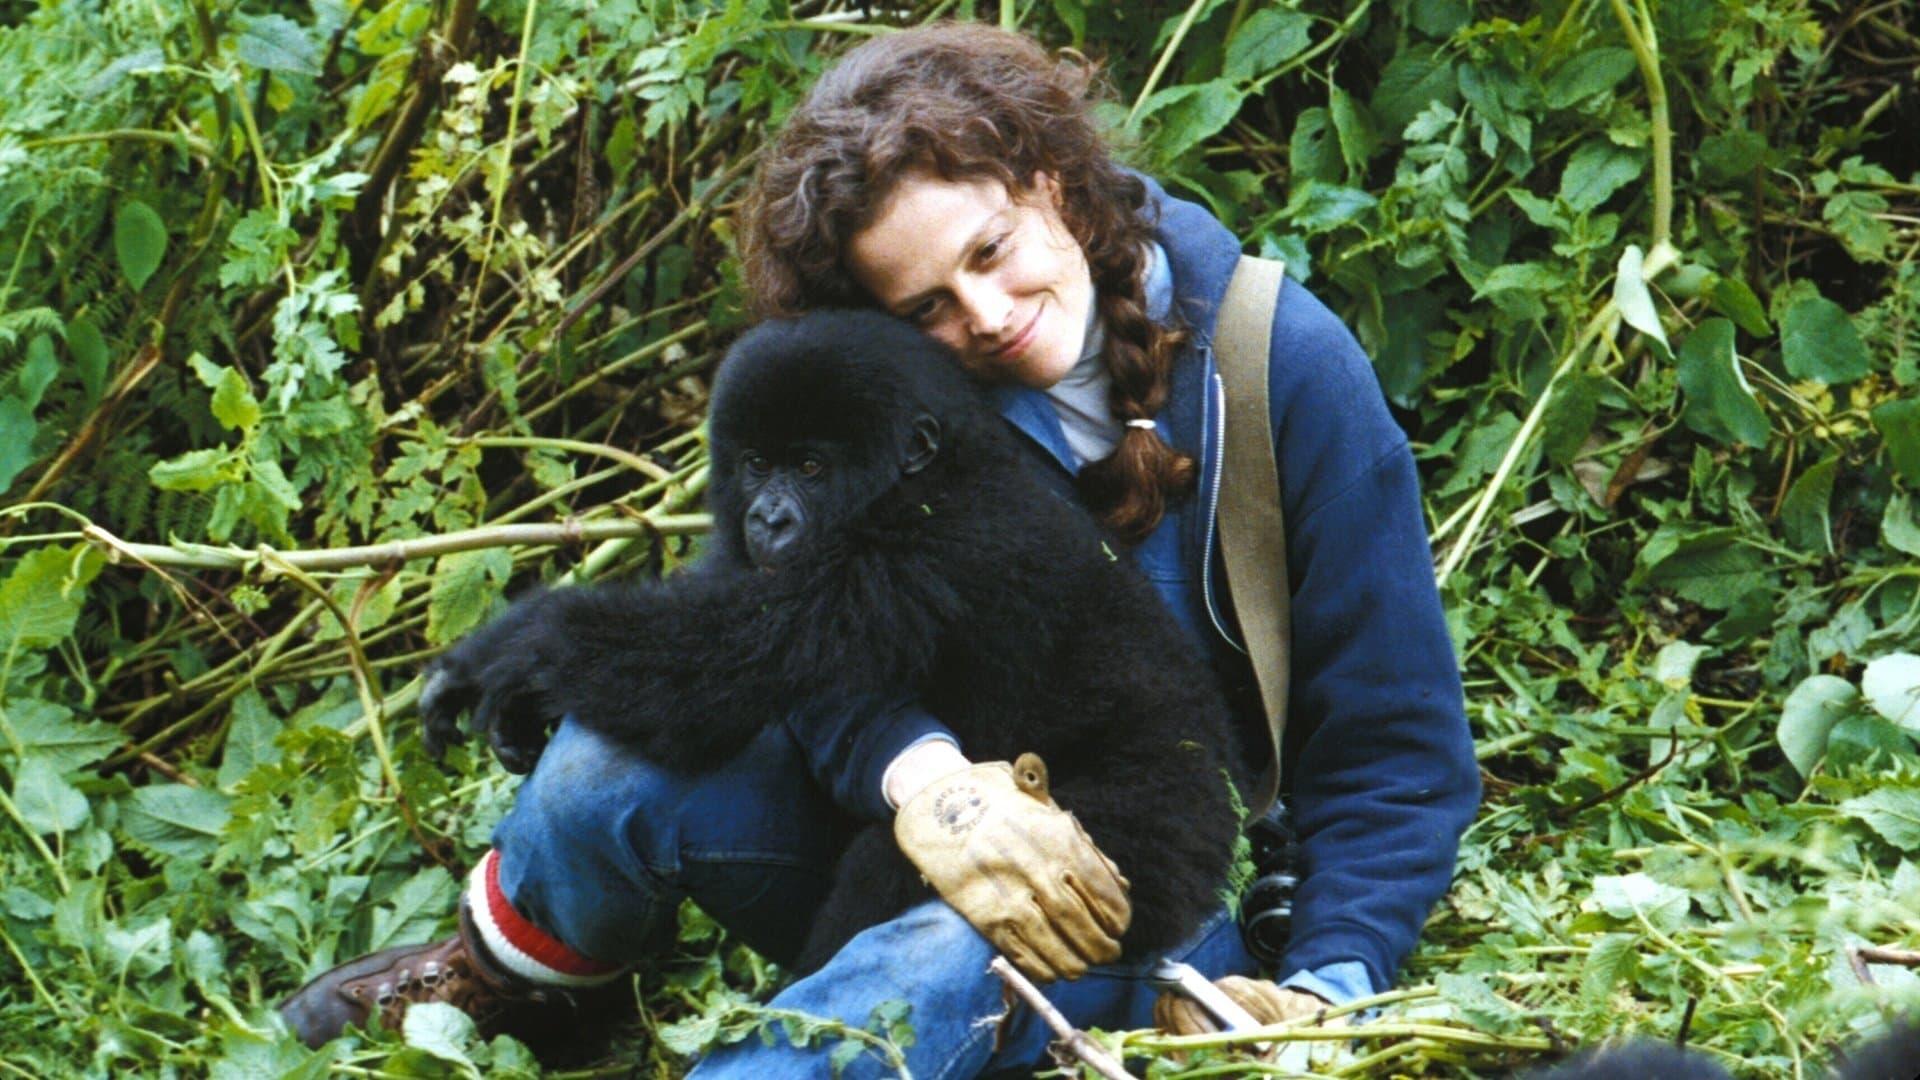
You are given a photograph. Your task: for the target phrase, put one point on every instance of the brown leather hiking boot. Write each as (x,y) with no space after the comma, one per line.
(458,971)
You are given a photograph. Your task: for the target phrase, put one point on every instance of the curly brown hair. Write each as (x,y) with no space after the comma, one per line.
(967,101)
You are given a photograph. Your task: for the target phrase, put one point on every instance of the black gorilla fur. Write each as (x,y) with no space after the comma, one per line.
(963,582)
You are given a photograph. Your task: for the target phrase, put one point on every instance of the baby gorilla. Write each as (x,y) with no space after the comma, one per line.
(879,536)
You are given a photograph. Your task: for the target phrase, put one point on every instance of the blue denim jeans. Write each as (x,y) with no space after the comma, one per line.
(601,847)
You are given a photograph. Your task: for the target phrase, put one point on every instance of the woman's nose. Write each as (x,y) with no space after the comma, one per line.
(984,306)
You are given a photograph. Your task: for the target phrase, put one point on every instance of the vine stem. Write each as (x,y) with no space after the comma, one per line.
(1606,321)
(503,181)
(572,531)
(1166,57)
(1646,53)
(371,703)
(526,442)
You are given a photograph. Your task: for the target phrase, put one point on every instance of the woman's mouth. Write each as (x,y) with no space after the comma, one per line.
(1012,349)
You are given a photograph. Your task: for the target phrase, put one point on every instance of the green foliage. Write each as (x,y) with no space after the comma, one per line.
(316,276)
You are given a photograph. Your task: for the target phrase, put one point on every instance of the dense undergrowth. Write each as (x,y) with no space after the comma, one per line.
(282,281)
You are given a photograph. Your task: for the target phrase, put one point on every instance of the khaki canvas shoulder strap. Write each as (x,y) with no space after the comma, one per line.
(1253,535)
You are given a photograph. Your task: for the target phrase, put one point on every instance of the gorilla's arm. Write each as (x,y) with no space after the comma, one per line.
(688,669)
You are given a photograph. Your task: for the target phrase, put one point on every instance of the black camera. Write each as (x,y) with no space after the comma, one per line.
(1266,908)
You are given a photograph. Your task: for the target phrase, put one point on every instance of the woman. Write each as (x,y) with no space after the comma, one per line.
(952,175)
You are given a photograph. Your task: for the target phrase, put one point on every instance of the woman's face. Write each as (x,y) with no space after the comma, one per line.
(993,274)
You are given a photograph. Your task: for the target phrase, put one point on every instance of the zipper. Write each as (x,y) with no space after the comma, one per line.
(1217,401)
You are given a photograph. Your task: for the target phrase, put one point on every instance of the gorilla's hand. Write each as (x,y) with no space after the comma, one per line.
(503,675)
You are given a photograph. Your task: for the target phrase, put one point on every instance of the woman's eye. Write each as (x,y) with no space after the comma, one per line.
(924,311)
(811,466)
(991,249)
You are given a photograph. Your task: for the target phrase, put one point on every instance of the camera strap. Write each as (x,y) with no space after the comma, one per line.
(1253,535)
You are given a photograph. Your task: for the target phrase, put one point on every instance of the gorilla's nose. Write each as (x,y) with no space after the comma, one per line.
(772,526)
(775,520)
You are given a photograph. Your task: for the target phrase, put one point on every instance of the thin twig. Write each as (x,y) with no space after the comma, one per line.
(1901,957)
(1083,1047)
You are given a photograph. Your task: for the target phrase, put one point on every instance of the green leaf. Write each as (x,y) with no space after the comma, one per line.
(1856,217)
(1592,72)
(1612,960)
(277,43)
(1894,813)
(1481,1007)
(139,241)
(89,351)
(442,1031)
(465,585)
(1630,295)
(1720,403)
(1570,418)
(250,739)
(48,732)
(1808,716)
(233,404)
(1818,341)
(1731,156)
(1353,125)
(1900,527)
(1413,81)
(17,431)
(1597,170)
(690,1035)
(1804,514)
(1892,686)
(198,470)
(1673,665)
(40,600)
(1731,297)
(1712,568)
(1266,39)
(418,907)
(48,804)
(1319,208)
(1621,897)
(1312,152)
(1898,422)
(1192,113)
(177,820)
(38,372)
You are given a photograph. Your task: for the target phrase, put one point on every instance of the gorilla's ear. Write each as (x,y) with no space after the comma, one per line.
(922,445)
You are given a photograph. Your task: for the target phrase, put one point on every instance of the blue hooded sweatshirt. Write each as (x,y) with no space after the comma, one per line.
(1378,762)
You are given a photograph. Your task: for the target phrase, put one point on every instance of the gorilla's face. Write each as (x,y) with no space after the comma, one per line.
(793,492)
(810,429)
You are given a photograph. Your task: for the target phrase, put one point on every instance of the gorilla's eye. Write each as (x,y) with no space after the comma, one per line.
(811,466)
(755,463)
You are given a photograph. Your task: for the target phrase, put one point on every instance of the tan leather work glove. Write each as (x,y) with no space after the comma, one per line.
(1265,1002)
(993,844)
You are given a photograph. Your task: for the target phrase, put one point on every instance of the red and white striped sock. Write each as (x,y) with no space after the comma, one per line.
(521,947)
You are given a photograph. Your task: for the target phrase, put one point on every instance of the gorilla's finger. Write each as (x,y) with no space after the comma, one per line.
(442,701)
(498,714)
